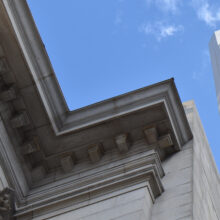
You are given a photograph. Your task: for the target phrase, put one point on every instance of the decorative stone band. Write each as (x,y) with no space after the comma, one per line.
(6,204)
(142,170)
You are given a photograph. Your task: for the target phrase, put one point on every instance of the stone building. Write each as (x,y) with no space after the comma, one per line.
(141,155)
(214,47)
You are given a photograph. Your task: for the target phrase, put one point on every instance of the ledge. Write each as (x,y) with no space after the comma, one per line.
(63,120)
(124,165)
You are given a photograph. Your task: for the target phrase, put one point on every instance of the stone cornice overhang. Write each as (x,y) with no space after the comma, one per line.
(131,173)
(63,120)
(144,168)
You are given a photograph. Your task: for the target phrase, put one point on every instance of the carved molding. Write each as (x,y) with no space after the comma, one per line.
(30,146)
(6,204)
(63,120)
(20,120)
(144,168)
(129,165)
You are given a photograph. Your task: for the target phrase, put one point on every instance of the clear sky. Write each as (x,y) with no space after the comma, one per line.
(101,48)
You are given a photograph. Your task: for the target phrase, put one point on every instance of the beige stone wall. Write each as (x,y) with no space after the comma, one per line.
(191,182)
(206,182)
(176,201)
(191,185)
(134,205)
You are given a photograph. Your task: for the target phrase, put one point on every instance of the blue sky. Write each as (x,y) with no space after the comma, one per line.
(100,49)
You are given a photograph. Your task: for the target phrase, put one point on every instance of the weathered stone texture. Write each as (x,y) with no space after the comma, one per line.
(176,201)
(6,204)
(206,182)
(134,205)
(191,188)
(191,179)
(100,162)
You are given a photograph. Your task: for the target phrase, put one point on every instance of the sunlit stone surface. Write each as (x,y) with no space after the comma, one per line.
(140,156)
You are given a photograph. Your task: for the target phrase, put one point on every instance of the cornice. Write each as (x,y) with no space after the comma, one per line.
(15,169)
(142,169)
(63,120)
(128,165)
(139,168)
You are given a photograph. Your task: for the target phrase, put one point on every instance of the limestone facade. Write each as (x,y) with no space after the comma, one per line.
(141,155)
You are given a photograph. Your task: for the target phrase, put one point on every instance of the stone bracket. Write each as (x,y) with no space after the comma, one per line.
(152,137)
(6,204)
(8,95)
(67,163)
(95,153)
(140,169)
(20,120)
(123,143)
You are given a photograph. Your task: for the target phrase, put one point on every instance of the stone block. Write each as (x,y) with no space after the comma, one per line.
(6,204)
(151,135)
(165,141)
(67,163)
(8,95)
(30,147)
(122,142)
(38,173)
(95,153)
(20,120)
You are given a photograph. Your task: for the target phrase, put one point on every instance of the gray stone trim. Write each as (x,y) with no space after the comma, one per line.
(61,118)
(11,165)
(6,204)
(131,172)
